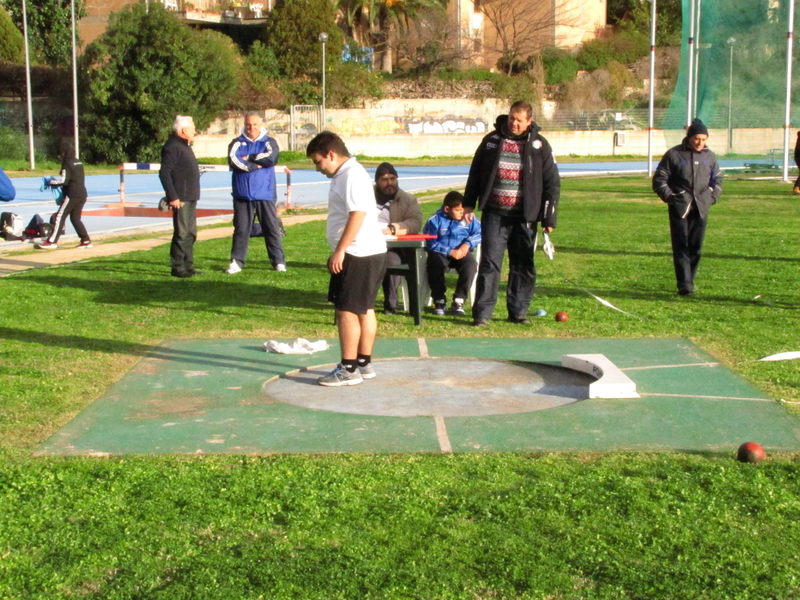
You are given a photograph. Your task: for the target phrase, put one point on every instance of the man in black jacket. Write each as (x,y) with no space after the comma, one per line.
(180,178)
(514,180)
(688,179)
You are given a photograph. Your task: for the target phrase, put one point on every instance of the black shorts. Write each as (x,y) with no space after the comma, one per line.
(355,287)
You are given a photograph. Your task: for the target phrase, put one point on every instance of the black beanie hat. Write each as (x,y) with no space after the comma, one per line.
(383,169)
(696,127)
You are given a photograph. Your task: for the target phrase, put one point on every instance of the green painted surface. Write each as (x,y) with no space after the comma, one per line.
(206,396)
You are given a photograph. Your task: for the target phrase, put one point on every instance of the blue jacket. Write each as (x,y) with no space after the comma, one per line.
(7,191)
(250,182)
(450,234)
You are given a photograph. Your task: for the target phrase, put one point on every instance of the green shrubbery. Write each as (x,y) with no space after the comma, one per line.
(559,66)
(625,47)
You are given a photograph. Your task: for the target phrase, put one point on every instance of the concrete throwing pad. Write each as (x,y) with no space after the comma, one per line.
(430,395)
(438,387)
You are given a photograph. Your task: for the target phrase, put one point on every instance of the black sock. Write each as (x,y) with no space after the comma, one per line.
(350,365)
(363,360)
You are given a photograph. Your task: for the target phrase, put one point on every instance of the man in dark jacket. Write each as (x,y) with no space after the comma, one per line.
(796,189)
(400,214)
(180,178)
(252,157)
(514,180)
(75,195)
(688,179)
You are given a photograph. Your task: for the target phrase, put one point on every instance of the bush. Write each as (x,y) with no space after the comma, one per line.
(13,144)
(353,84)
(625,47)
(559,66)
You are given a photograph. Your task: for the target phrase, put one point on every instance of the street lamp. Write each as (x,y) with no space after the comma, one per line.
(731,42)
(323,37)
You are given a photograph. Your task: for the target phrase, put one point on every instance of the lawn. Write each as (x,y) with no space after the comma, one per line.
(406,526)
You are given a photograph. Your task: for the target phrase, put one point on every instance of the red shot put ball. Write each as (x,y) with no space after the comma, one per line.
(561,317)
(751,452)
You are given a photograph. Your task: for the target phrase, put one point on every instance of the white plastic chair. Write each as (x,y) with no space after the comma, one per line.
(426,288)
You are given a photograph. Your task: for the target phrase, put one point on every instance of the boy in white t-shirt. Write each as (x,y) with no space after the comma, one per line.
(358,261)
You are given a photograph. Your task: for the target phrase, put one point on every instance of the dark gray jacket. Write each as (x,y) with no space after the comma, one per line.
(179,173)
(685,177)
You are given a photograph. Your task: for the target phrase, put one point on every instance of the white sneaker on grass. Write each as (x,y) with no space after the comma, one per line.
(233,268)
(341,376)
(281,268)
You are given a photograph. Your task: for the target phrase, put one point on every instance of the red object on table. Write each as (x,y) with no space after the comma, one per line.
(415,236)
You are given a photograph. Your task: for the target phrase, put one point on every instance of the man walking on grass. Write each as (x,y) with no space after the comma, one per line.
(358,260)
(252,157)
(689,180)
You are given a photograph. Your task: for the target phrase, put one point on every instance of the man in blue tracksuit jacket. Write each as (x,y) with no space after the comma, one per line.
(252,157)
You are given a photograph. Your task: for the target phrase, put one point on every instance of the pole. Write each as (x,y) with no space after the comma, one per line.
(788,119)
(75,85)
(697,55)
(690,86)
(28,84)
(731,42)
(324,39)
(651,104)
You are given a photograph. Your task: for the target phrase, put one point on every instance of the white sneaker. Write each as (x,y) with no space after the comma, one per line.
(281,268)
(233,268)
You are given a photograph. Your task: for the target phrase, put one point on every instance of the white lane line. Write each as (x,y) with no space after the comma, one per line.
(441,433)
(423,348)
(709,364)
(708,397)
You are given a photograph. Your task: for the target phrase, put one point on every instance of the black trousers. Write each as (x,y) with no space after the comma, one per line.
(72,208)
(243,214)
(517,236)
(437,267)
(184,235)
(392,282)
(687,245)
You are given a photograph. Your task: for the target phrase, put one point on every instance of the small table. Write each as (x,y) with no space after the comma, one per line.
(413,269)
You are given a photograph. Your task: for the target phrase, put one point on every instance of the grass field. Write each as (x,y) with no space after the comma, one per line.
(674,526)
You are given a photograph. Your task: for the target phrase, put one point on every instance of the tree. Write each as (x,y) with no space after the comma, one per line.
(520,29)
(638,13)
(147,68)
(292,32)
(12,47)
(49,28)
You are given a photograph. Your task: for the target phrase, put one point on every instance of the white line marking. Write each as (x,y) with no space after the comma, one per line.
(423,348)
(711,364)
(441,433)
(708,397)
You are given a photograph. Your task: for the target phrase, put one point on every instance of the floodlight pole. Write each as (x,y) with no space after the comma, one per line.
(75,85)
(690,52)
(651,104)
(28,84)
(731,42)
(323,37)
(696,54)
(788,119)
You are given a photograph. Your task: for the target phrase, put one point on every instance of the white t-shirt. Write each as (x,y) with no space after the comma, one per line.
(351,191)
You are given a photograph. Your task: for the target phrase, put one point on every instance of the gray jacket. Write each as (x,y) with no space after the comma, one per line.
(685,177)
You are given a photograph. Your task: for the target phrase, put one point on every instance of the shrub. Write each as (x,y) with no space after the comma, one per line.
(559,66)
(625,47)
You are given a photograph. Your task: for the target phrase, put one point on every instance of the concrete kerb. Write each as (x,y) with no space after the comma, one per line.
(19,258)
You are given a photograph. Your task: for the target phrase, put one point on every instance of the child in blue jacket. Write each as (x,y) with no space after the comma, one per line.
(455,240)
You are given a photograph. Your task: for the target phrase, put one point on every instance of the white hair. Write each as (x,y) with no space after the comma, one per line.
(182,122)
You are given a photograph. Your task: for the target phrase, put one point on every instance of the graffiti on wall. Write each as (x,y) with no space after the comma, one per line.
(413,125)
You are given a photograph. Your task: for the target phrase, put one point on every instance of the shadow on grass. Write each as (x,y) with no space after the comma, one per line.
(89,344)
(196,293)
(565,249)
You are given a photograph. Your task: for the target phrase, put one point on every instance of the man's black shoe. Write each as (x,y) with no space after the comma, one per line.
(519,320)
(686,291)
(181,274)
(194,272)
(389,311)
(480,322)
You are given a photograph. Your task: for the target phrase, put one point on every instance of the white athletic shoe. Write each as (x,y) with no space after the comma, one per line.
(281,268)
(233,268)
